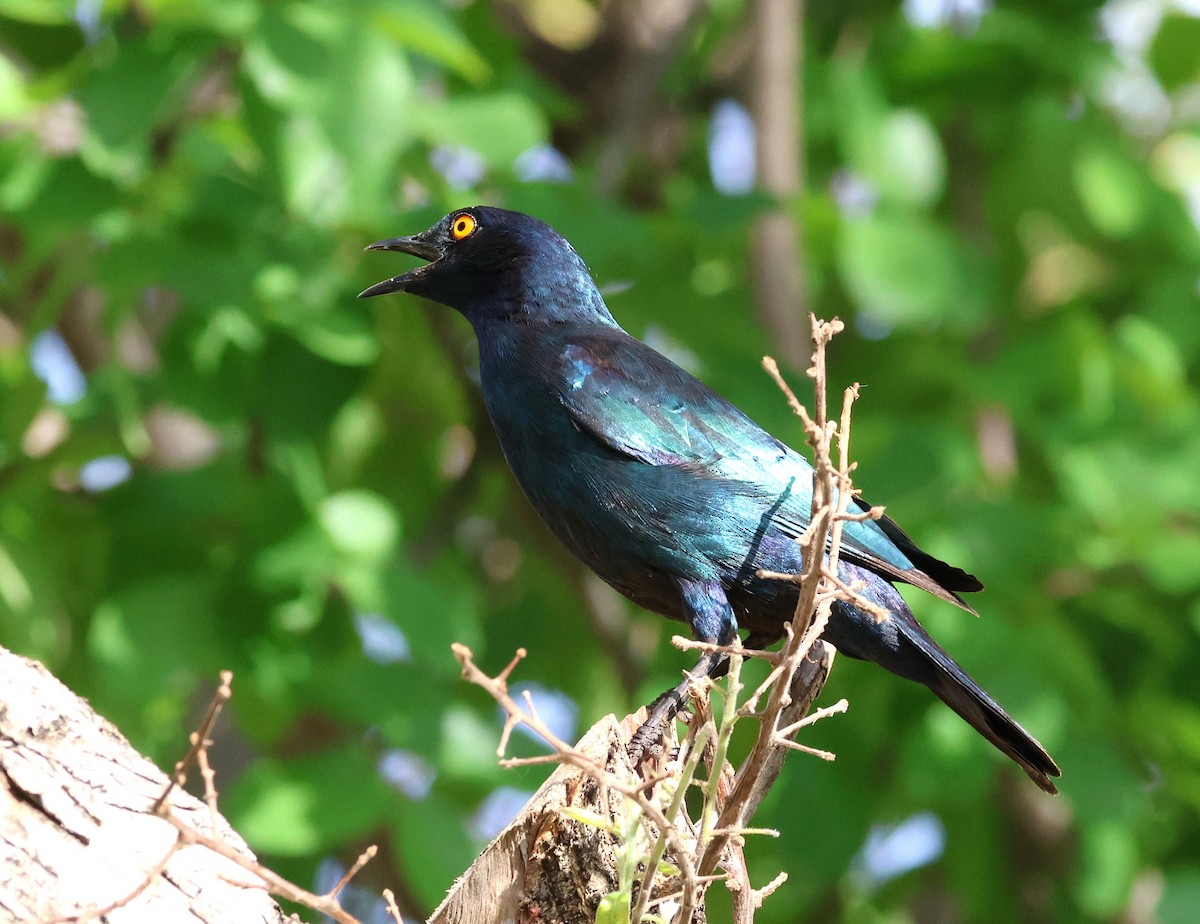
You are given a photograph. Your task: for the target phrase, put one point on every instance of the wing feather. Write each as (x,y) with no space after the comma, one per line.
(640,405)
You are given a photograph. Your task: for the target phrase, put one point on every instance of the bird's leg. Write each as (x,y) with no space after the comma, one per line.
(648,737)
(712,620)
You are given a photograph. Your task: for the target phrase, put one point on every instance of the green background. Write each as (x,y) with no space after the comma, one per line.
(996,200)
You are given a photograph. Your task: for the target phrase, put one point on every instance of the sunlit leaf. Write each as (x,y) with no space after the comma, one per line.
(284,807)
(903,269)
(360,523)
(426,28)
(1113,190)
(498,126)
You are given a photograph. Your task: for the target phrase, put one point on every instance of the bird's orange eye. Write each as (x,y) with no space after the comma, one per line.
(462,227)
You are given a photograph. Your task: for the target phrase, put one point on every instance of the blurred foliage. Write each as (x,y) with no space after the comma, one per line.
(1003,201)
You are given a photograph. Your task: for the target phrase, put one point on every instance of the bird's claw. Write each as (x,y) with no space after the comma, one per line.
(647,741)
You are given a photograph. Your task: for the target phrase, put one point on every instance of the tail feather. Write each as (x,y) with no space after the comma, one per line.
(902,646)
(964,696)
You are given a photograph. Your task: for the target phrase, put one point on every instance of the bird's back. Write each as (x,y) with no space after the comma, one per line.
(647,474)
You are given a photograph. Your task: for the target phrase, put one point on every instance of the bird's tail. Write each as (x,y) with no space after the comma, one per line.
(902,646)
(957,690)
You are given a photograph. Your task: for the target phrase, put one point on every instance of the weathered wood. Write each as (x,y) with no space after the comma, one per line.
(546,866)
(77,833)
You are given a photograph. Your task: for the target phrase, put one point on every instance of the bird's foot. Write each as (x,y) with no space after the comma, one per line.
(647,741)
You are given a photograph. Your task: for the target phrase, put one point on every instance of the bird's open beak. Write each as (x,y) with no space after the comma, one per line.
(412,245)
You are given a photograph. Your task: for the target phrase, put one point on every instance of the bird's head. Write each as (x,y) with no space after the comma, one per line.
(492,264)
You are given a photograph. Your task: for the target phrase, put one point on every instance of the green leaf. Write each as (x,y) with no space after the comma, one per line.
(289,53)
(469,746)
(948,760)
(158,631)
(433,845)
(905,270)
(427,29)
(42,12)
(14,587)
(342,337)
(230,17)
(1175,52)
(588,817)
(301,806)
(360,524)
(614,908)
(296,560)
(434,609)
(71,196)
(1180,896)
(399,701)
(15,100)
(1112,188)
(906,163)
(1151,348)
(303,392)
(1110,857)
(369,96)
(126,99)
(498,126)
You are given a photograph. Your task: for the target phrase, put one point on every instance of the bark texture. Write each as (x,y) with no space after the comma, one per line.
(546,866)
(78,838)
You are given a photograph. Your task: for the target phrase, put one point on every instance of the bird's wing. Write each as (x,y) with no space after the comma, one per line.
(643,406)
(640,404)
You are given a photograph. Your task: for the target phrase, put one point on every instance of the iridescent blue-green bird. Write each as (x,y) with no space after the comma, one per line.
(661,486)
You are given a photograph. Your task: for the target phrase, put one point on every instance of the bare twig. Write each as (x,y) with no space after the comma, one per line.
(363,859)
(199,739)
(210,785)
(699,743)
(269,880)
(687,644)
(819,541)
(392,908)
(740,888)
(813,717)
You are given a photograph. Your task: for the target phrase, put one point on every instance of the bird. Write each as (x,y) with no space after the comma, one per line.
(662,487)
